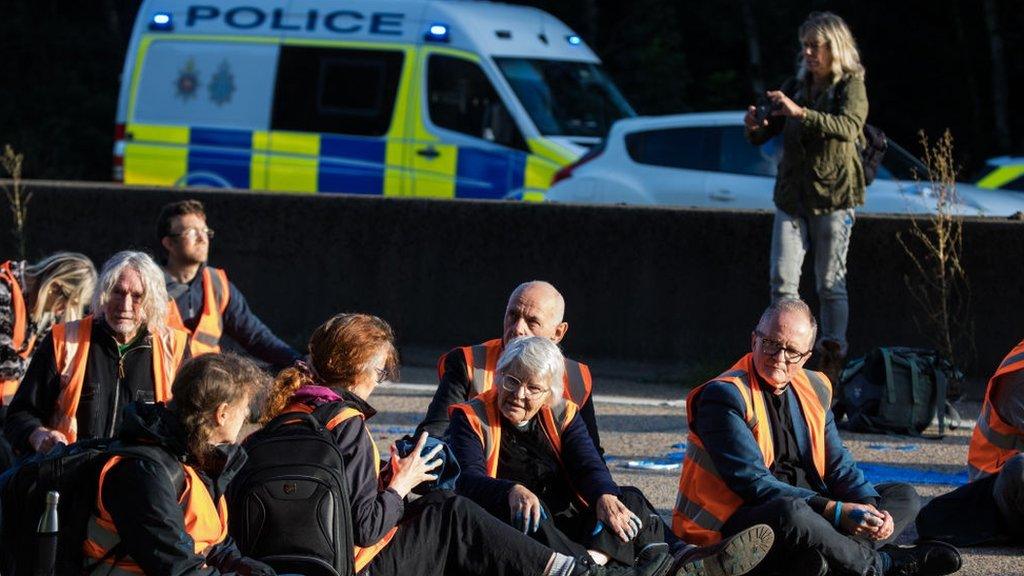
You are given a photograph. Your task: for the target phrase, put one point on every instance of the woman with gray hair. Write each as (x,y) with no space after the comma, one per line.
(526,457)
(821,114)
(89,369)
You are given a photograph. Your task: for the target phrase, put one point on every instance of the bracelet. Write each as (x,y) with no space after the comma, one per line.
(839,512)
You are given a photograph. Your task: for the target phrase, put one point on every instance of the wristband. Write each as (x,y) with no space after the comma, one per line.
(839,512)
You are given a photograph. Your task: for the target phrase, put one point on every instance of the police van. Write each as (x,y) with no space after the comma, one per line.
(429,98)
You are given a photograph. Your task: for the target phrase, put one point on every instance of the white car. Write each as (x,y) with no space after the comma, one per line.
(703,160)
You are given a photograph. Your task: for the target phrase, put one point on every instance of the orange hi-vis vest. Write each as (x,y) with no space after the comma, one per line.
(704,501)
(482,363)
(994,441)
(484,417)
(362,556)
(71,353)
(205,522)
(20,340)
(216,293)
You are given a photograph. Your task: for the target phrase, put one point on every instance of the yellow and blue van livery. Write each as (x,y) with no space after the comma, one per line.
(428,98)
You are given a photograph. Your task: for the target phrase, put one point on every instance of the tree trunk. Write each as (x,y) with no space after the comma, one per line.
(1000,96)
(753,47)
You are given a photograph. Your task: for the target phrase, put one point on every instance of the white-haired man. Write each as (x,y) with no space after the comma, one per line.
(534,309)
(85,371)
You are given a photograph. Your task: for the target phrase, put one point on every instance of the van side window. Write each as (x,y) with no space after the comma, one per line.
(687,148)
(338,91)
(461,98)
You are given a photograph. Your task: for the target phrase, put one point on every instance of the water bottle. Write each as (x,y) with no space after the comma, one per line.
(46,537)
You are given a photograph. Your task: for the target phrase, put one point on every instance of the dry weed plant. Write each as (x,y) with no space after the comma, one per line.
(17,198)
(938,282)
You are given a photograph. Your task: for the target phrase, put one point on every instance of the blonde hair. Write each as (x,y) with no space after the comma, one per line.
(833,30)
(154,291)
(72,274)
(340,351)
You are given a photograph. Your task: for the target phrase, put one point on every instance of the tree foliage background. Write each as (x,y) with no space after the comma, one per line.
(932,65)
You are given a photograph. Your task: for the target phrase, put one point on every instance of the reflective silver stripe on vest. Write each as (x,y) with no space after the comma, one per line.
(1012,360)
(577,387)
(107,540)
(480,410)
(820,388)
(698,515)
(219,295)
(479,375)
(206,339)
(975,473)
(998,439)
(701,458)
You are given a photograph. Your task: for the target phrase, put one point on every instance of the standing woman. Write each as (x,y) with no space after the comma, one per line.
(821,114)
(439,533)
(34,297)
(166,514)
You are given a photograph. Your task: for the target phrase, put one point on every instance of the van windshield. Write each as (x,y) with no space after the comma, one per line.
(565,98)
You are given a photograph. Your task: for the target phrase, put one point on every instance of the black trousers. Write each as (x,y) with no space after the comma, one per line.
(800,530)
(442,533)
(571,531)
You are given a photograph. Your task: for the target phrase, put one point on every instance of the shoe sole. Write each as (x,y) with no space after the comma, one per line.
(739,554)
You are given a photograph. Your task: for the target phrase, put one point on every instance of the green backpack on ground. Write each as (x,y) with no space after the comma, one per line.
(894,390)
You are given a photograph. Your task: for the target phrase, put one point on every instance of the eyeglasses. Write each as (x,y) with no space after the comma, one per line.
(510,383)
(771,347)
(194,233)
(383,375)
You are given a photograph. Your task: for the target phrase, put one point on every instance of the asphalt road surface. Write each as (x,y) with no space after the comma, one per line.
(641,426)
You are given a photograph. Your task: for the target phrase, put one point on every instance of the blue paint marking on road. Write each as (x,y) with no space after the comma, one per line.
(893,447)
(878,473)
(395,430)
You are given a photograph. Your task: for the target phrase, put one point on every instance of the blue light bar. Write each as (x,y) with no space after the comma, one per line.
(573,39)
(161,22)
(437,33)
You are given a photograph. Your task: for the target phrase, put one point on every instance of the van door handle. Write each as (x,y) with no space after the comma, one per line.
(722,196)
(428,152)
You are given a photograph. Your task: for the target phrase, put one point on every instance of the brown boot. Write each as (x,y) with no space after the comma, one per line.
(831,361)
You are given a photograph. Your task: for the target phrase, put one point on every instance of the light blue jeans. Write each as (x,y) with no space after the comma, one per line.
(828,237)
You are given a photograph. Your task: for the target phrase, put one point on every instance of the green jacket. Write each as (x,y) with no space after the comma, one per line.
(820,170)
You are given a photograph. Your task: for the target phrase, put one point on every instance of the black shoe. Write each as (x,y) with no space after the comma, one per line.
(737,554)
(657,565)
(927,558)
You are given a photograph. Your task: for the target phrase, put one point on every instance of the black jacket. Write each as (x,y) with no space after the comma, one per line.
(112,381)
(144,505)
(454,389)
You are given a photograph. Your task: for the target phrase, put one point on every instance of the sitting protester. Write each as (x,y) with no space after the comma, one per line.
(439,533)
(988,510)
(526,457)
(170,517)
(763,448)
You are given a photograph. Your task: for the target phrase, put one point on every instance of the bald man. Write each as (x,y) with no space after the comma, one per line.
(534,309)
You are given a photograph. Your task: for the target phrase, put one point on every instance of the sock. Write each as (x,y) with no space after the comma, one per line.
(560,565)
(600,558)
(886,562)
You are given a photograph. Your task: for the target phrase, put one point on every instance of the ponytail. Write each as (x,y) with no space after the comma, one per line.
(287,382)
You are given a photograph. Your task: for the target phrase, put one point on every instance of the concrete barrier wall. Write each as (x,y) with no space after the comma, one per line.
(670,286)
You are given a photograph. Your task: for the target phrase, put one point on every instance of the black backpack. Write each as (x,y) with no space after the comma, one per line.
(872,150)
(894,390)
(288,506)
(73,471)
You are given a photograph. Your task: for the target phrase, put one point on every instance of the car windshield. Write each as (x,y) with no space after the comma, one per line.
(565,98)
(898,164)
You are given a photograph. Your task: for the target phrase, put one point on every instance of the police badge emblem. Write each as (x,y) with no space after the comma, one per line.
(222,85)
(188,81)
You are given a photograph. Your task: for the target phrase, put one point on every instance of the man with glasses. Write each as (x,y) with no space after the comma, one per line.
(534,309)
(763,448)
(202,300)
